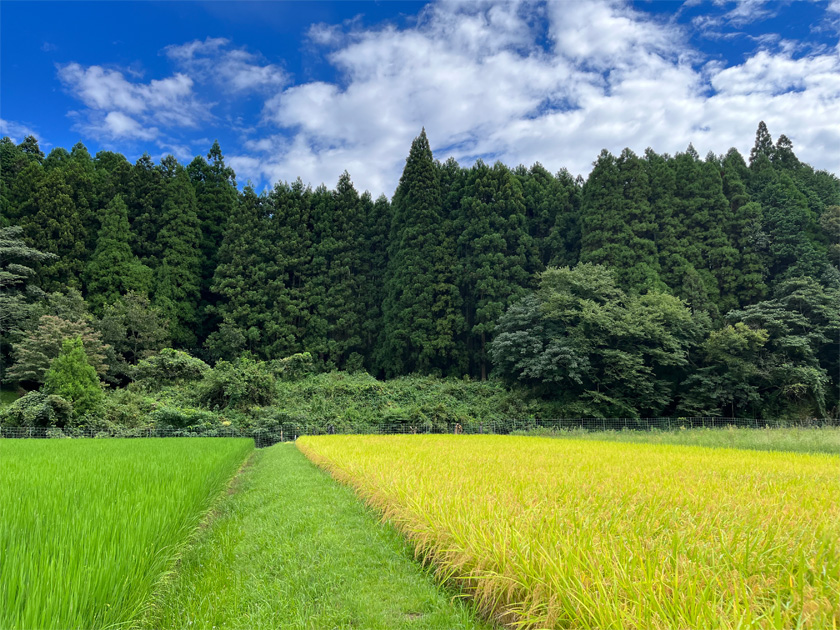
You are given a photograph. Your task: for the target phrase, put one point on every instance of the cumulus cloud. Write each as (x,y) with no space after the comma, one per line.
(123,109)
(233,70)
(522,82)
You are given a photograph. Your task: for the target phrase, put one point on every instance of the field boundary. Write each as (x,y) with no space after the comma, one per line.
(288,432)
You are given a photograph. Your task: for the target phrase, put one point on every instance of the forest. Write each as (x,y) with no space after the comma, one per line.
(661,285)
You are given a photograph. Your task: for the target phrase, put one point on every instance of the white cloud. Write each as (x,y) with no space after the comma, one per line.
(520,82)
(122,109)
(17,131)
(524,83)
(234,70)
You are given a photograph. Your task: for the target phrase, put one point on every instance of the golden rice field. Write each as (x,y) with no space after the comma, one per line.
(549,533)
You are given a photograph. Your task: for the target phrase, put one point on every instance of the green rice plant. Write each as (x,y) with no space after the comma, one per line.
(89,527)
(547,533)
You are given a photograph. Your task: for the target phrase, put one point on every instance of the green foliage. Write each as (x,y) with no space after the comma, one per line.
(170,367)
(73,378)
(618,227)
(421,310)
(35,353)
(240,384)
(178,276)
(113,270)
(134,329)
(419,284)
(183,418)
(17,293)
(295,367)
(580,338)
(37,409)
(495,253)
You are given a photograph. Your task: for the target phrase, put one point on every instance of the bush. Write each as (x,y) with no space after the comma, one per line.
(126,408)
(241,384)
(295,367)
(37,409)
(72,377)
(177,418)
(170,367)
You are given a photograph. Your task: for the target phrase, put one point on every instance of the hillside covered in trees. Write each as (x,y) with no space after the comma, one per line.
(660,285)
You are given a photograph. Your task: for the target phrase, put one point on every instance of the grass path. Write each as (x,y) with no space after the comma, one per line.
(290,548)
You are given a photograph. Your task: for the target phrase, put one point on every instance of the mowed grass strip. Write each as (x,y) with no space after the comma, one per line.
(290,548)
(794,439)
(88,527)
(550,533)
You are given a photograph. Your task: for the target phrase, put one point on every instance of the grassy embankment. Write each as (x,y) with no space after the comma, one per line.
(88,527)
(7,397)
(570,533)
(798,440)
(291,549)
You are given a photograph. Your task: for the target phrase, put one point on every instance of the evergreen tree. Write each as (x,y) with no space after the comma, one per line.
(177,277)
(290,231)
(494,249)
(216,200)
(112,177)
(552,208)
(789,222)
(74,379)
(17,294)
(145,202)
(701,216)
(421,310)
(35,352)
(763,145)
(375,257)
(241,281)
(16,191)
(57,228)
(113,270)
(744,231)
(618,228)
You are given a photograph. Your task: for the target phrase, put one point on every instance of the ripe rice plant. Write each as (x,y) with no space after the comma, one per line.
(88,527)
(550,533)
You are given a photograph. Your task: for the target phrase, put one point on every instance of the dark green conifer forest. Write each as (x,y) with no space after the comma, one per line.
(662,285)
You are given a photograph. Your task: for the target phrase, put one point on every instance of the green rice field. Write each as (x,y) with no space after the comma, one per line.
(88,527)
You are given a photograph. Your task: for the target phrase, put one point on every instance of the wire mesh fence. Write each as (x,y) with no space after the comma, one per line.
(266,436)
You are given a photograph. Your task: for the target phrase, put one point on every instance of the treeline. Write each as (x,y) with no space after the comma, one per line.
(746,250)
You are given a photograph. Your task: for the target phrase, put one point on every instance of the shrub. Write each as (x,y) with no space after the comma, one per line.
(295,367)
(127,408)
(37,409)
(72,377)
(179,418)
(170,367)
(35,353)
(241,384)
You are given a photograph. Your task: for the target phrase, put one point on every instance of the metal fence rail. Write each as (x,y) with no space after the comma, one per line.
(266,436)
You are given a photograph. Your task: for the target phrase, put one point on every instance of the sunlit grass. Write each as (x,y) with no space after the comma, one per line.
(289,549)
(582,534)
(87,527)
(795,439)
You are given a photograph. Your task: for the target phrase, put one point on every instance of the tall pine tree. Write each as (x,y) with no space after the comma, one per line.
(114,270)
(421,311)
(178,275)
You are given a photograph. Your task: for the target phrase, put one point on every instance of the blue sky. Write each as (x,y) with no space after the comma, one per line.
(310,89)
